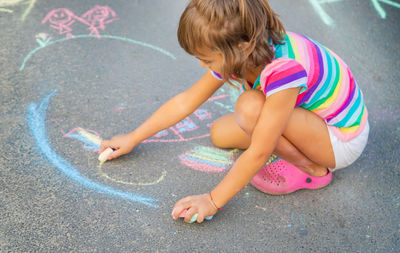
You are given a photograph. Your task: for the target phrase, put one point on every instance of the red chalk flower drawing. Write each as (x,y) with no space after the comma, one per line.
(43,39)
(96,18)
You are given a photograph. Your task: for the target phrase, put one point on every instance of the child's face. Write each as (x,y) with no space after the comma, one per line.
(213,61)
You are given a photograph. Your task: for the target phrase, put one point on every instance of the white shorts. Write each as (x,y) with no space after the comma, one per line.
(348,152)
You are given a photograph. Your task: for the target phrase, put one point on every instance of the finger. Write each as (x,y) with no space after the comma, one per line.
(114,154)
(103,145)
(178,209)
(200,218)
(189,215)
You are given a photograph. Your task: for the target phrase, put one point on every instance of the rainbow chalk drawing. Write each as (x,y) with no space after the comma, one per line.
(318,7)
(208,159)
(96,18)
(6,6)
(36,118)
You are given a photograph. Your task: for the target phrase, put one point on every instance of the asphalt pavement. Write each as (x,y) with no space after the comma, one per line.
(73,72)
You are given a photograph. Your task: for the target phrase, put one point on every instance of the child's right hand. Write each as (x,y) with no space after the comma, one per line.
(121,144)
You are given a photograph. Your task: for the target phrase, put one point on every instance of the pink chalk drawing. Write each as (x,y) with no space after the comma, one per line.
(61,19)
(200,158)
(96,18)
(176,133)
(119,109)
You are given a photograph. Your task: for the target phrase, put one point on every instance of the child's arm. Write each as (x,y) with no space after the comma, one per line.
(273,119)
(170,113)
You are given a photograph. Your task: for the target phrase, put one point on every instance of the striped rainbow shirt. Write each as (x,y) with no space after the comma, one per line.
(329,89)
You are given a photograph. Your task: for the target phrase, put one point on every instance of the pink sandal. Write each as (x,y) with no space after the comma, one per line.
(281,177)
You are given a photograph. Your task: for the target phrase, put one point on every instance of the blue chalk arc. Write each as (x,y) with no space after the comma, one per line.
(36,118)
(83,36)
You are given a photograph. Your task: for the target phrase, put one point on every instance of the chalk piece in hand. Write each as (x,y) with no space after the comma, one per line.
(194,217)
(104,155)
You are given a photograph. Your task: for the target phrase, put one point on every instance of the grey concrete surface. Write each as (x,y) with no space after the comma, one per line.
(54,198)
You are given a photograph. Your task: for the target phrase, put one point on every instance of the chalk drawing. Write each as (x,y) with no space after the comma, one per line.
(299,221)
(378,7)
(96,18)
(6,6)
(208,159)
(203,114)
(43,39)
(48,42)
(37,114)
(92,141)
(175,133)
(120,181)
(61,19)
(318,7)
(118,109)
(36,118)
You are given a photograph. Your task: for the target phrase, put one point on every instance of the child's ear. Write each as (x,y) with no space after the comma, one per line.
(246,47)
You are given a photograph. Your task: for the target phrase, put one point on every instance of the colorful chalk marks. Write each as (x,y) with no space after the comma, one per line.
(328,20)
(45,41)
(96,19)
(37,113)
(7,6)
(36,118)
(208,159)
(63,21)
(89,138)
(91,142)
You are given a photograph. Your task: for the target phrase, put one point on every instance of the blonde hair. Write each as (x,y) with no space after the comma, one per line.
(238,29)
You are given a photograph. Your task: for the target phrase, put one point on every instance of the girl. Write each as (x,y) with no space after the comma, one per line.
(299,102)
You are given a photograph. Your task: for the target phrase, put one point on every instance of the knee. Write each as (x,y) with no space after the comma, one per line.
(217,131)
(248,108)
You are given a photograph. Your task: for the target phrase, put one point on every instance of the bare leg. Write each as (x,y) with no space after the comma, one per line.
(304,143)
(226,133)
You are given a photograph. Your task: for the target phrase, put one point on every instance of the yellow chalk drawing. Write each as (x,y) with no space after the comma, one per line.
(6,5)
(97,140)
(5,10)
(102,173)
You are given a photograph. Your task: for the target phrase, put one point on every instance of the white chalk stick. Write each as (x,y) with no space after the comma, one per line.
(103,156)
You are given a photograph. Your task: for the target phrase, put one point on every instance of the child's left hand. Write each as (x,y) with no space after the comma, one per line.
(200,204)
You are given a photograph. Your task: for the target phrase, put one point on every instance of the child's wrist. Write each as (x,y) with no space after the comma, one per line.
(213,202)
(133,138)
